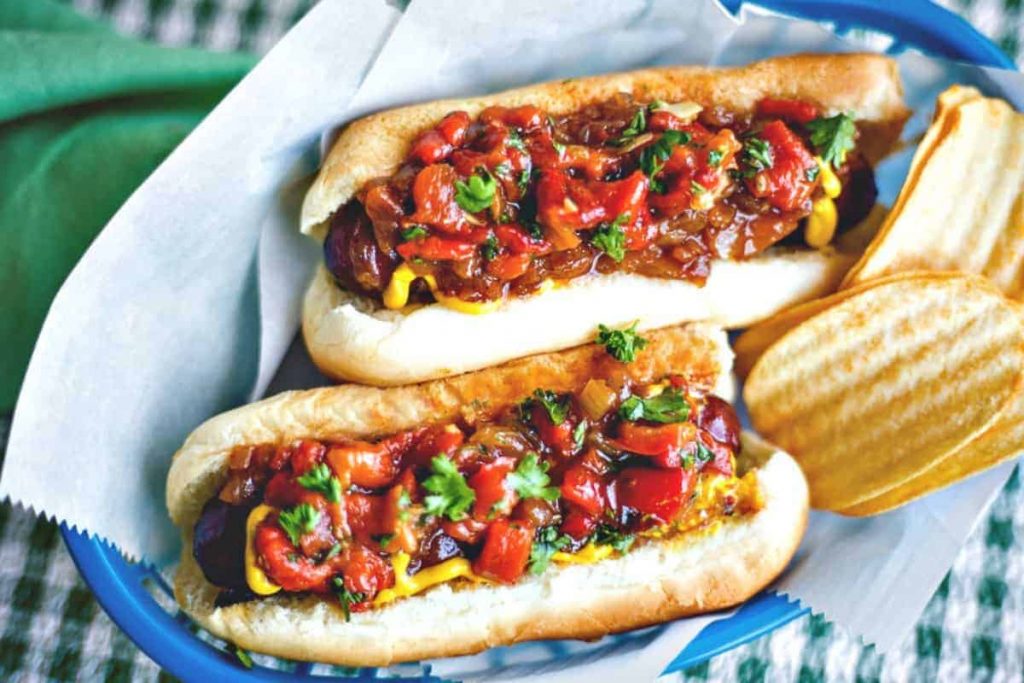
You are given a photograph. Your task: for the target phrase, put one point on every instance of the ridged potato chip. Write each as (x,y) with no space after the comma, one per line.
(874,390)
(1000,442)
(962,205)
(749,346)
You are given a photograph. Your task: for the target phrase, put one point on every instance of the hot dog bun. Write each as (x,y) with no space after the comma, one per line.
(658,581)
(355,338)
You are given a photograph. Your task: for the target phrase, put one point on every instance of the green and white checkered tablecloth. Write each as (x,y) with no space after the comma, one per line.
(973,629)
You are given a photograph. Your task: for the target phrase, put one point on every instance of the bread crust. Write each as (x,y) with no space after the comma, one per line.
(657,582)
(866,84)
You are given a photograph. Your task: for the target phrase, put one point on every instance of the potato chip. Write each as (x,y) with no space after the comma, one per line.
(756,340)
(962,205)
(1000,442)
(874,390)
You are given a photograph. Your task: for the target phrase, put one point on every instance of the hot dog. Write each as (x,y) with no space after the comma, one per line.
(462,233)
(566,495)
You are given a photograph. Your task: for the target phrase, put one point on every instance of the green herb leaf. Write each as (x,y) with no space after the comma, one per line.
(547,543)
(346,597)
(243,656)
(452,496)
(524,180)
(530,479)
(609,535)
(489,249)
(697,188)
(299,520)
(622,345)
(653,157)
(532,227)
(668,406)
(704,454)
(515,141)
(477,193)
(756,156)
(833,137)
(385,540)
(503,169)
(559,147)
(611,239)
(811,173)
(636,125)
(556,408)
(322,480)
(579,434)
(413,233)
(715,157)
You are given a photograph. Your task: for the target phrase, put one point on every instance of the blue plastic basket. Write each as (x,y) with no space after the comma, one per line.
(138,599)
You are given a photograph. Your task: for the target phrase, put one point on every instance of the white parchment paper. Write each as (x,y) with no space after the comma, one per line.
(189,300)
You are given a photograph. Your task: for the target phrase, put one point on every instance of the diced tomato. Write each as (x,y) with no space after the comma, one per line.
(558,437)
(433,248)
(370,464)
(508,266)
(790,110)
(283,491)
(467,530)
(658,493)
(594,162)
(564,203)
(506,551)
(367,573)
(526,117)
(433,192)
(722,461)
(288,568)
(785,184)
(437,143)
(584,488)
(578,523)
(397,519)
(665,443)
(367,516)
(518,241)
(307,455)
(494,495)
(439,440)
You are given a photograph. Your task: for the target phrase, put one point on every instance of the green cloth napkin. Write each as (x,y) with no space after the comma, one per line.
(85,116)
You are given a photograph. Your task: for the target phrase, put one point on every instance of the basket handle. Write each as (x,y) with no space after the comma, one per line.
(920,23)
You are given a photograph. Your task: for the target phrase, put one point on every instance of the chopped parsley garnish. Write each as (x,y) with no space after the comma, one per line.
(322,480)
(756,157)
(559,147)
(299,520)
(636,125)
(622,345)
(547,543)
(452,496)
(477,193)
(502,169)
(715,157)
(811,173)
(579,434)
(532,227)
(833,137)
(490,247)
(697,188)
(530,479)
(668,406)
(611,239)
(609,535)
(346,597)
(653,157)
(385,540)
(524,180)
(515,141)
(334,550)
(413,233)
(700,457)
(243,656)
(556,408)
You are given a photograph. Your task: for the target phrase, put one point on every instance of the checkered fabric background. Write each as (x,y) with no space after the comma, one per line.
(973,629)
